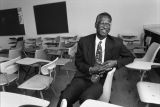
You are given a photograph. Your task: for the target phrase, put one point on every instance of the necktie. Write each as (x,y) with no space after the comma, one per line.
(98,58)
(99,53)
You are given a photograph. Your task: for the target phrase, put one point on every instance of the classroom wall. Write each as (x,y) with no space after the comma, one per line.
(129,16)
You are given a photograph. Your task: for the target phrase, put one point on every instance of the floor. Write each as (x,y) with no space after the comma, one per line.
(124,90)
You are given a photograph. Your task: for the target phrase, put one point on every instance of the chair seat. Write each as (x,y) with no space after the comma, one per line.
(37,82)
(10,78)
(149,92)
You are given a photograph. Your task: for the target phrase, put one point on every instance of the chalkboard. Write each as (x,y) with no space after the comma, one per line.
(51,18)
(10,23)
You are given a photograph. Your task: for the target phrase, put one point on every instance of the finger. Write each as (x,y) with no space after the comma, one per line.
(105,63)
(104,67)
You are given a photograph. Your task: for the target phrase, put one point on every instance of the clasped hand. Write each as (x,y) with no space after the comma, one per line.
(101,68)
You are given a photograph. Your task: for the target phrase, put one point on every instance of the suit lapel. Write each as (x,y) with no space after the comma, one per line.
(91,50)
(108,47)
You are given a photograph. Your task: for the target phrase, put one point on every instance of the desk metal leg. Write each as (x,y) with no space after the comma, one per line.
(143,74)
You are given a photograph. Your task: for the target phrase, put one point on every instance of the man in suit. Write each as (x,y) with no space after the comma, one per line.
(93,67)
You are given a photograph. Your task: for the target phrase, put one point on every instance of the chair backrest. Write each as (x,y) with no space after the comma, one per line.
(38,41)
(41,54)
(19,43)
(148,40)
(61,43)
(107,86)
(151,52)
(44,68)
(14,53)
(72,50)
(57,39)
(10,66)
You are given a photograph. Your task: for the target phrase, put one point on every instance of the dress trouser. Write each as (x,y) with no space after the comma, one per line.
(81,89)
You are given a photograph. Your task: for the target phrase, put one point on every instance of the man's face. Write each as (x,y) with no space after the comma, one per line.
(103,27)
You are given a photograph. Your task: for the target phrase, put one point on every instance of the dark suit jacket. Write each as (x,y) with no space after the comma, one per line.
(114,50)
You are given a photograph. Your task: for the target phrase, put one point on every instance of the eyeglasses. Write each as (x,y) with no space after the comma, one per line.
(105,24)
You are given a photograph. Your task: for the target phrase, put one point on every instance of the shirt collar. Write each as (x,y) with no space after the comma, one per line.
(98,40)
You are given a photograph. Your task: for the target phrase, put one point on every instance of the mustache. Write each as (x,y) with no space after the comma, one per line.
(104,29)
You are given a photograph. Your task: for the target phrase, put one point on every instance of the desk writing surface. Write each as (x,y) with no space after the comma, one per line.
(30,61)
(153,28)
(8,99)
(141,65)
(96,103)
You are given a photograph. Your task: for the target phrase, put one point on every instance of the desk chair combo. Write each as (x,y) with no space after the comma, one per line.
(42,80)
(144,64)
(148,92)
(8,67)
(40,54)
(62,46)
(54,47)
(128,38)
(40,58)
(135,45)
(30,45)
(8,71)
(142,47)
